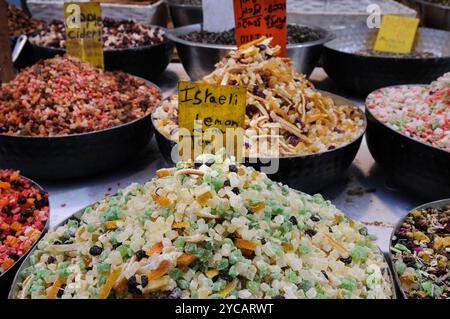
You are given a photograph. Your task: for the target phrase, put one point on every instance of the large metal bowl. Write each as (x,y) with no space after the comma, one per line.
(185,14)
(434,15)
(199,59)
(363,74)
(307,173)
(147,62)
(7,277)
(435,204)
(14,291)
(415,166)
(76,155)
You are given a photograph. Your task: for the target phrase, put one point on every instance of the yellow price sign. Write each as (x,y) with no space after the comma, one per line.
(84,25)
(396,34)
(212,116)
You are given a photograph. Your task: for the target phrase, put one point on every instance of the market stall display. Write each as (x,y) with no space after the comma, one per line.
(208,229)
(185,12)
(408,134)
(362,73)
(315,129)
(199,55)
(24,214)
(21,23)
(130,46)
(420,252)
(63,118)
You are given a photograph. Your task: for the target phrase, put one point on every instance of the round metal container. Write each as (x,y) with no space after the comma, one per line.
(185,14)
(361,74)
(415,166)
(434,15)
(7,277)
(435,204)
(307,173)
(75,155)
(199,59)
(147,62)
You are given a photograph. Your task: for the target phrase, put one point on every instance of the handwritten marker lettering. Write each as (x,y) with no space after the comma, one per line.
(257,18)
(207,111)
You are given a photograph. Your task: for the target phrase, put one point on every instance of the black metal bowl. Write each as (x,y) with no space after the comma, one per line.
(363,74)
(7,277)
(415,166)
(307,173)
(146,61)
(75,155)
(435,204)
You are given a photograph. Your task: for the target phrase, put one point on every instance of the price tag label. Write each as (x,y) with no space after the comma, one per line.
(83,22)
(257,18)
(212,117)
(6,65)
(396,34)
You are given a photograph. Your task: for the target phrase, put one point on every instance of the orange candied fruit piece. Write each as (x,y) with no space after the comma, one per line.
(7,263)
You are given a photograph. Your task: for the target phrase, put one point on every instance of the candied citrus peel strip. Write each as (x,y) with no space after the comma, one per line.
(245,244)
(110,281)
(159,271)
(185,260)
(156,248)
(53,292)
(178,225)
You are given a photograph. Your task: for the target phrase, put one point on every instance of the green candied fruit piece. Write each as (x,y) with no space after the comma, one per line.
(175,273)
(179,242)
(26,272)
(272,292)
(183,284)
(305,285)
(348,283)
(253,287)
(360,254)
(111,213)
(402,247)
(72,223)
(217,183)
(101,280)
(91,228)
(222,264)
(256,187)
(125,251)
(399,267)
(207,178)
(235,257)
(218,285)
(431,289)
(64,272)
(286,227)
(276,275)
(233,272)
(285,190)
(103,268)
(318,199)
